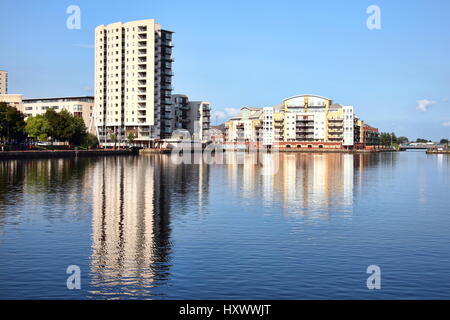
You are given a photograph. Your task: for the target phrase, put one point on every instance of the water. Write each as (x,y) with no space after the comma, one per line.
(143,227)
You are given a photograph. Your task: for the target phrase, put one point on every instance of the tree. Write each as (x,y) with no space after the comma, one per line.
(38,127)
(78,130)
(90,141)
(67,126)
(390,139)
(403,140)
(12,124)
(444,141)
(64,126)
(131,138)
(420,140)
(114,139)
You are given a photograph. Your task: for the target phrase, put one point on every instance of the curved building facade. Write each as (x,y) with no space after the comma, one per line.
(301,121)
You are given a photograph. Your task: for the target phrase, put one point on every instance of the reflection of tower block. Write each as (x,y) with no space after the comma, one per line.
(267,127)
(197,134)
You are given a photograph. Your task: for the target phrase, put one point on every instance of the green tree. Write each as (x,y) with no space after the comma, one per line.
(420,140)
(78,130)
(131,138)
(63,126)
(12,124)
(114,139)
(54,120)
(444,141)
(38,127)
(390,139)
(66,126)
(403,140)
(90,141)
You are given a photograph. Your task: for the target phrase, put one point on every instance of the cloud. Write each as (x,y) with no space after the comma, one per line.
(446,124)
(219,115)
(423,105)
(231,112)
(225,114)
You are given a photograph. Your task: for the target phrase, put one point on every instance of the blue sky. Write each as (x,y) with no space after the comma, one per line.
(256,53)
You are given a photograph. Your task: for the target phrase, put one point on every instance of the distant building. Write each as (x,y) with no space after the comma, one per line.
(193,116)
(133,80)
(14,100)
(78,106)
(303,121)
(3,82)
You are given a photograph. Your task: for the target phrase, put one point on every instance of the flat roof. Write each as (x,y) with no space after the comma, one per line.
(59,99)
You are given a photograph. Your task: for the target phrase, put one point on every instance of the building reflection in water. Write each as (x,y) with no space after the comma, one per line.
(134,199)
(304,184)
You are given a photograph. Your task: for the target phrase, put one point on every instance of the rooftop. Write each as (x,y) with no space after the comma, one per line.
(60,99)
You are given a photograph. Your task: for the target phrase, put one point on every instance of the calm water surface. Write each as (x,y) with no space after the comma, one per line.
(143,227)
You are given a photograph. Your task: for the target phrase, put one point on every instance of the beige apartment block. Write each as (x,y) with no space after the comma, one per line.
(14,100)
(3,82)
(133,81)
(78,106)
(302,118)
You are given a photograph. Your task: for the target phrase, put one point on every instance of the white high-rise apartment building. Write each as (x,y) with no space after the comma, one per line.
(3,82)
(133,81)
(268,136)
(349,119)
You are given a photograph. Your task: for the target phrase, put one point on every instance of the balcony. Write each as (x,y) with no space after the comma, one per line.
(167,43)
(142,114)
(167,58)
(167,72)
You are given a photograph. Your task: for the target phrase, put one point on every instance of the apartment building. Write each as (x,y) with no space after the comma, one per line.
(78,106)
(133,80)
(313,120)
(3,82)
(193,116)
(14,100)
